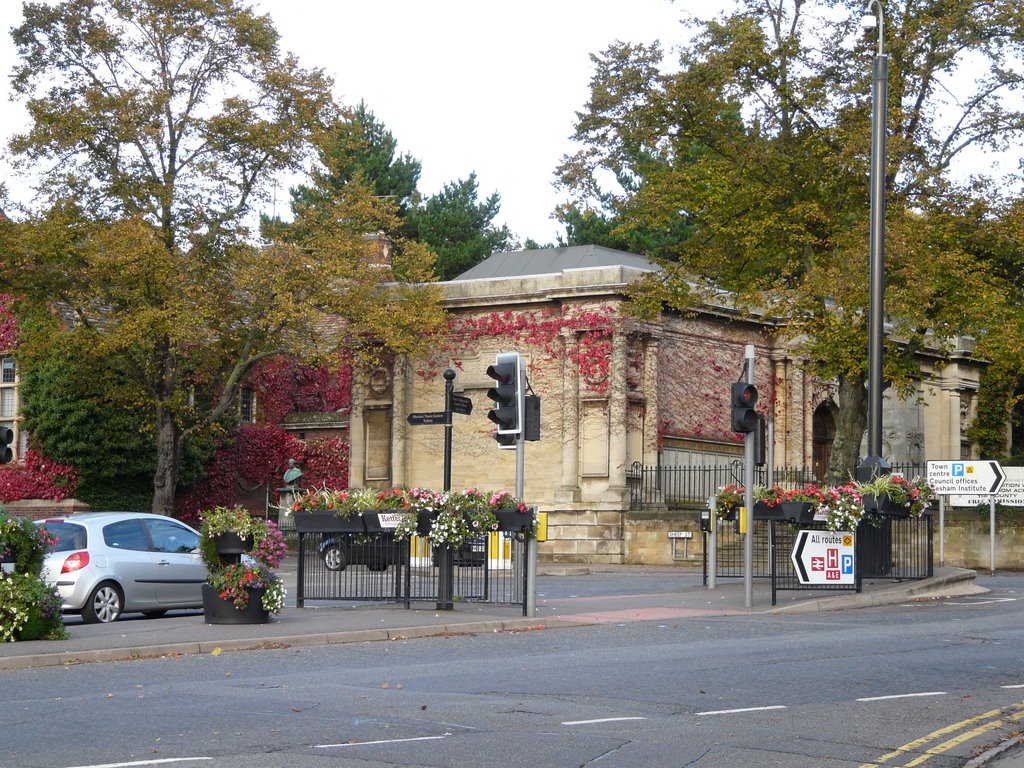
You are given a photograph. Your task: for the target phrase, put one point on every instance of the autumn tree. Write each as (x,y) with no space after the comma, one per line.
(754,146)
(156,129)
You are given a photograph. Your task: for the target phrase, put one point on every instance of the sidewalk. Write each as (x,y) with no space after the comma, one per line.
(325,623)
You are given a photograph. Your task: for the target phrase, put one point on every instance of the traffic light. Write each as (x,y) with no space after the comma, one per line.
(744,417)
(6,439)
(507,395)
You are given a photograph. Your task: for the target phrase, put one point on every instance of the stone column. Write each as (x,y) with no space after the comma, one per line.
(569,492)
(400,444)
(617,418)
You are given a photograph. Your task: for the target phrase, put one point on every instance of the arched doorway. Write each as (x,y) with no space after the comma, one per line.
(823,431)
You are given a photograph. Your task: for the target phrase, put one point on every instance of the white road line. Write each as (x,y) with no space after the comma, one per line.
(161,761)
(903,696)
(601,720)
(1011,686)
(737,711)
(383,741)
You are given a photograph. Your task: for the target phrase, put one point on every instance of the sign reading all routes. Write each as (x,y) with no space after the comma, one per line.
(965,478)
(824,557)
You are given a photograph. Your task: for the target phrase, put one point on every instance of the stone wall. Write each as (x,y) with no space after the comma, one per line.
(646,540)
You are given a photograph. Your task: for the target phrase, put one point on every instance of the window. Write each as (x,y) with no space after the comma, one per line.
(169,536)
(8,371)
(247,405)
(7,403)
(126,534)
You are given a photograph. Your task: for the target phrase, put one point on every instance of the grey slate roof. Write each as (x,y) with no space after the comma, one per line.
(552,261)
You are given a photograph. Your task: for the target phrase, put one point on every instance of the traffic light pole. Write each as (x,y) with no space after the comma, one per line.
(748,495)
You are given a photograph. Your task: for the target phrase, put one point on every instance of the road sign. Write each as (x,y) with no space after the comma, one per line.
(428,417)
(462,404)
(824,557)
(1010,494)
(965,478)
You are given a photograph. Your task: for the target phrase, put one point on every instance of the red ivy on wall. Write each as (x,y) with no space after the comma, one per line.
(36,477)
(8,328)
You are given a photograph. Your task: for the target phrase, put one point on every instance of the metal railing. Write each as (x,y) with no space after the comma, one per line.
(898,548)
(688,487)
(361,567)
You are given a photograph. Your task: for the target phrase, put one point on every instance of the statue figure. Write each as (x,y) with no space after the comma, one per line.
(292,474)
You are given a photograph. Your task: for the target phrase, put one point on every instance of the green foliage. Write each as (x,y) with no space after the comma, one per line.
(458,228)
(751,153)
(70,403)
(140,236)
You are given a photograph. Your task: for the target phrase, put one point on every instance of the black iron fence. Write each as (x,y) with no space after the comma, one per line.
(897,548)
(376,567)
(688,487)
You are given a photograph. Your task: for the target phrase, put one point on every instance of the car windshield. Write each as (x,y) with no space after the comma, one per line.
(70,536)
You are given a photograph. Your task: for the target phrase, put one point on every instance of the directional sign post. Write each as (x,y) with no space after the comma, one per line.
(433,418)
(462,405)
(824,557)
(1010,493)
(965,478)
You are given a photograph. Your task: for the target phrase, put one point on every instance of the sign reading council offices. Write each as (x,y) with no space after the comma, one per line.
(965,477)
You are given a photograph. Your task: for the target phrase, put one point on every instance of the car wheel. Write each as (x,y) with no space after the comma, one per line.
(104,604)
(153,614)
(334,558)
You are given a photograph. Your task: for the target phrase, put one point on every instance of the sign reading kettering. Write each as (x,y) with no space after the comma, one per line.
(965,477)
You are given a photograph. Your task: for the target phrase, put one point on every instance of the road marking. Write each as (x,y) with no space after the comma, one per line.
(737,711)
(987,601)
(997,719)
(601,720)
(1011,686)
(904,696)
(161,761)
(382,741)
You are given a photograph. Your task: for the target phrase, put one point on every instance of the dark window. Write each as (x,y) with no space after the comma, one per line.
(70,537)
(169,536)
(126,534)
(247,405)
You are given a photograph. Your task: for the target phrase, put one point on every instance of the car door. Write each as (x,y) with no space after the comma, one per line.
(180,572)
(129,559)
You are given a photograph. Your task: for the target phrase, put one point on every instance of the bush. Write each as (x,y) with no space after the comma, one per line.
(29,607)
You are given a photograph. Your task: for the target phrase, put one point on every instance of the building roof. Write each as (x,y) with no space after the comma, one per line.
(553,261)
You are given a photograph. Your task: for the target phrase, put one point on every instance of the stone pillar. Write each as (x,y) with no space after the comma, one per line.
(400,443)
(569,492)
(617,452)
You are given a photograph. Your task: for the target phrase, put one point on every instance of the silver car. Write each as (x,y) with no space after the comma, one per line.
(108,563)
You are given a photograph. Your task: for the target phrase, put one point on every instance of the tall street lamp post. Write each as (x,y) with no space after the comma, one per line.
(874,464)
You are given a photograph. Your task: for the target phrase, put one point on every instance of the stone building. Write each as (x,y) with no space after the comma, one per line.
(614,392)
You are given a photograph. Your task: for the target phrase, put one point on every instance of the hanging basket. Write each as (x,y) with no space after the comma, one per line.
(231,543)
(512,520)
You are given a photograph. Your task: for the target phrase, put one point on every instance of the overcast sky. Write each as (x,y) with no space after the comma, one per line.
(463,85)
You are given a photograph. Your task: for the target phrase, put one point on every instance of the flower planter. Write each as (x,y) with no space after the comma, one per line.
(230,543)
(325,521)
(882,504)
(424,520)
(379,522)
(219,610)
(797,511)
(764,511)
(514,520)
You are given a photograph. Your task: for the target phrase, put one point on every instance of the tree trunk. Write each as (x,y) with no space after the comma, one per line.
(851,423)
(168,463)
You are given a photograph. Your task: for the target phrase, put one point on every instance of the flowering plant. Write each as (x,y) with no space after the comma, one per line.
(234,582)
(776,494)
(505,500)
(24,543)
(729,497)
(913,495)
(315,499)
(843,507)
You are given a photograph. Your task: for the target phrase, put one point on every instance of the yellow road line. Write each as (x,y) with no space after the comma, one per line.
(1006,715)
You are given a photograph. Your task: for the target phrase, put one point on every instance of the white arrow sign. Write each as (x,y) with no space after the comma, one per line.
(1010,493)
(823,557)
(965,478)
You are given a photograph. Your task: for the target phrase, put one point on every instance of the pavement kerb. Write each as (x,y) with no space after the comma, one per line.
(958,582)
